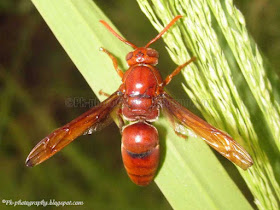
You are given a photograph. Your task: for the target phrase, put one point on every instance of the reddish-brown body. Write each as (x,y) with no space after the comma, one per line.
(140,145)
(140,152)
(141,86)
(139,100)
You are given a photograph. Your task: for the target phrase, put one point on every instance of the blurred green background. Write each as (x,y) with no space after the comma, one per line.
(36,80)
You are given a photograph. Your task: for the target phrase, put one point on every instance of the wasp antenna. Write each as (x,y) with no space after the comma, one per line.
(164,30)
(117,35)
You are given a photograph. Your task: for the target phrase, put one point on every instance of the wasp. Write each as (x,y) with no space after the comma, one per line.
(139,100)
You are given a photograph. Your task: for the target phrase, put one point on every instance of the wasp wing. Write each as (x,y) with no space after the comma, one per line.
(217,139)
(91,120)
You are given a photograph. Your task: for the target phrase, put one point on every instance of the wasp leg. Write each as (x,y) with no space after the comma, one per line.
(114,60)
(103,93)
(176,71)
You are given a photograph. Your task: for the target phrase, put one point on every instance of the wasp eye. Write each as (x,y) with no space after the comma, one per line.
(152,53)
(128,56)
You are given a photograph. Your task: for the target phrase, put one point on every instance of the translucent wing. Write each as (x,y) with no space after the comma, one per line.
(91,120)
(217,139)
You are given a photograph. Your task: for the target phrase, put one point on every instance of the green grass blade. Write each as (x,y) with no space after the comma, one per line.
(212,80)
(76,26)
(190,176)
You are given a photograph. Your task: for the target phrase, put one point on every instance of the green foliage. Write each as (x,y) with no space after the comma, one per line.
(207,28)
(90,169)
(87,170)
(180,178)
(76,26)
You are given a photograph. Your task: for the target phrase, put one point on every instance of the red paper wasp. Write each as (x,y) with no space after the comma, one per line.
(139,100)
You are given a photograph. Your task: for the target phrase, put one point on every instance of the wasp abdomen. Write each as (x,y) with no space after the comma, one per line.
(140,152)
